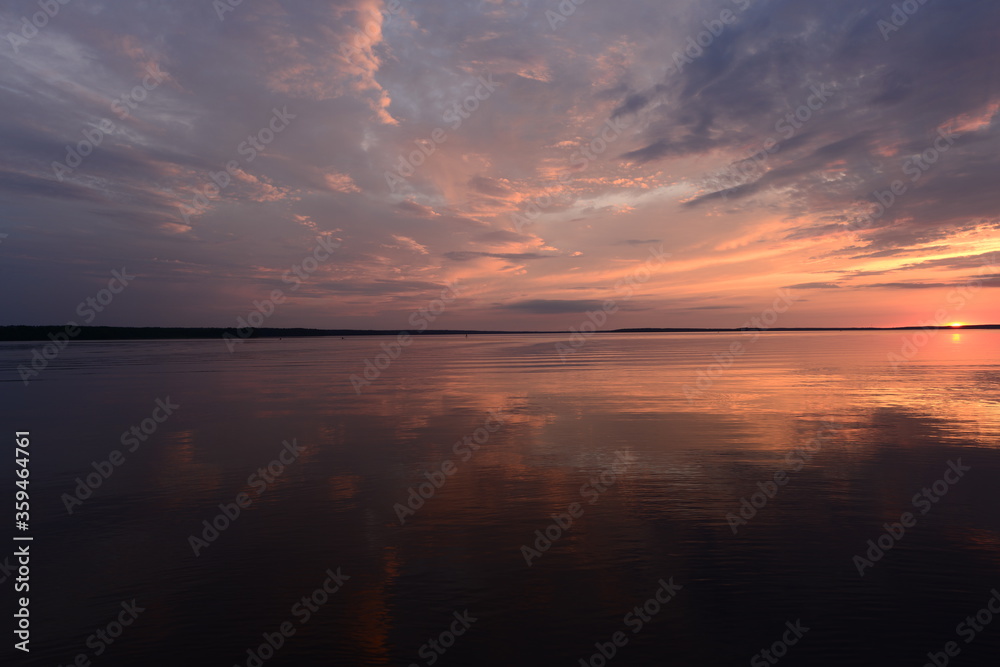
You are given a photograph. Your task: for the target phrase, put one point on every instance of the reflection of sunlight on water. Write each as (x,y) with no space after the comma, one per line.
(179,456)
(986,540)
(371,620)
(444,385)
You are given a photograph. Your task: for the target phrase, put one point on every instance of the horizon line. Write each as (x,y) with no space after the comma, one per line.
(29,332)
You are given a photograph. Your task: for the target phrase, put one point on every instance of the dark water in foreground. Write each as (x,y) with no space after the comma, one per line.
(682,463)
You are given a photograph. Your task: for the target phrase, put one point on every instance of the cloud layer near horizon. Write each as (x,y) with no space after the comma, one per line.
(534,157)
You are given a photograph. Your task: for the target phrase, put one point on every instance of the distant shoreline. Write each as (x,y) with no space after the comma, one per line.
(23,333)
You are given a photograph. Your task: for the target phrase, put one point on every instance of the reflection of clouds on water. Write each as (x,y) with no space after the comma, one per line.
(666,512)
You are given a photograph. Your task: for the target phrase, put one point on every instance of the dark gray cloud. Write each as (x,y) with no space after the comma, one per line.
(468,255)
(658,149)
(894,252)
(814,286)
(642,242)
(988,280)
(502,236)
(380,287)
(489,186)
(554,306)
(896,286)
(414,208)
(964,262)
(888,99)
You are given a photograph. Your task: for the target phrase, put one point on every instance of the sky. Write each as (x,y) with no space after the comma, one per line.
(500,164)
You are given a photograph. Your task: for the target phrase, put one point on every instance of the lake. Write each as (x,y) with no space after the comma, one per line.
(637,499)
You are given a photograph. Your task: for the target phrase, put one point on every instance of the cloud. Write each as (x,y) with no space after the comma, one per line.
(600,148)
(381,287)
(978,280)
(469,255)
(959,262)
(503,236)
(814,286)
(554,306)
(887,104)
(341,183)
(410,244)
(489,186)
(658,149)
(905,285)
(416,209)
(893,252)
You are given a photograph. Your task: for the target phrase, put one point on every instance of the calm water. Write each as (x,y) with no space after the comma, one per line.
(619,403)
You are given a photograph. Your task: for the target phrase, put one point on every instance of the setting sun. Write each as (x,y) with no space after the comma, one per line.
(957,324)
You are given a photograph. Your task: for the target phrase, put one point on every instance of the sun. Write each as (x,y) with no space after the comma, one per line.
(957,325)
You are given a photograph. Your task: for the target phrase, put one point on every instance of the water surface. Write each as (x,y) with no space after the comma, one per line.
(878,435)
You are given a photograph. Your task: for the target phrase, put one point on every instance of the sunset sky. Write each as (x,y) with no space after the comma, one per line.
(569,144)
